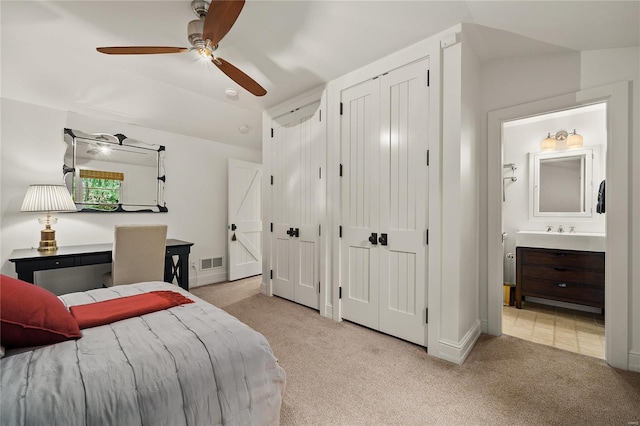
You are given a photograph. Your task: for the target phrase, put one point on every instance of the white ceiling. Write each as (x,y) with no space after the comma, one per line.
(48,51)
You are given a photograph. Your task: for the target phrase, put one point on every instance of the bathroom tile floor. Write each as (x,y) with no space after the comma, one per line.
(574,331)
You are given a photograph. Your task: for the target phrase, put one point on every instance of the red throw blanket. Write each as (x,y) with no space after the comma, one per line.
(108,311)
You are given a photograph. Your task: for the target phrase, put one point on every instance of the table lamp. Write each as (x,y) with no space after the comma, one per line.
(48,198)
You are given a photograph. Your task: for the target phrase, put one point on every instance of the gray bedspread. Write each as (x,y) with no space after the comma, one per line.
(192,364)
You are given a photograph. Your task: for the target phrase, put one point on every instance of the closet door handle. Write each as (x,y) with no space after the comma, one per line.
(233,237)
(373,239)
(233,227)
(383,239)
(290,232)
(295,232)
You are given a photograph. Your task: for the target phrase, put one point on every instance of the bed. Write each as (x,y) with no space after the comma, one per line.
(193,364)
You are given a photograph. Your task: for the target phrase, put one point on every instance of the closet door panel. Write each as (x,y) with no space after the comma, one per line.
(403,201)
(282,244)
(360,193)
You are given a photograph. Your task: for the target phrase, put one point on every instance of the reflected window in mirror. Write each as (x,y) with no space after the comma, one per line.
(112,173)
(562,183)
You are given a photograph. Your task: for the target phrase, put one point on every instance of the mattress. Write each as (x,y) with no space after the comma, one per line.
(193,364)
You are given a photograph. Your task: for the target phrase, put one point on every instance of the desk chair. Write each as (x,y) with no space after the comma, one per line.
(138,254)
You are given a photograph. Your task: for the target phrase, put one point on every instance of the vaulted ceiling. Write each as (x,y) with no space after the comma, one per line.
(48,54)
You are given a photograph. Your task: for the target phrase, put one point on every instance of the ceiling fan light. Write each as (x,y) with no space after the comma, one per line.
(574,140)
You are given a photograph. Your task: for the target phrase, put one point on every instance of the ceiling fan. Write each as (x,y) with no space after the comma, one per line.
(215,19)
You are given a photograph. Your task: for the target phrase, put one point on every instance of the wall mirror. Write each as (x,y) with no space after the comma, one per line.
(562,184)
(112,173)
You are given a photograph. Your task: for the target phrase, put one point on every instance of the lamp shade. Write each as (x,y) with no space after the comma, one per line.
(549,142)
(574,140)
(48,198)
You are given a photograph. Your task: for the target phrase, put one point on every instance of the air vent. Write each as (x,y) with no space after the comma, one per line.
(210,263)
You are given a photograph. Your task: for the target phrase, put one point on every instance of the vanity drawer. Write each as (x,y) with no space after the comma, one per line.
(563,274)
(589,260)
(564,291)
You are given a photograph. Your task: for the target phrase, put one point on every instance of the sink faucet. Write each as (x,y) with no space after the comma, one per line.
(548,228)
(560,229)
(572,228)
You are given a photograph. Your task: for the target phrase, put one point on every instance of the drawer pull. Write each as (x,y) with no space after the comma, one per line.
(560,254)
(562,285)
(560,269)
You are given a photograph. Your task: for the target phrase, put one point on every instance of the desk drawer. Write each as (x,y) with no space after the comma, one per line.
(63,262)
(593,261)
(93,259)
(564,291)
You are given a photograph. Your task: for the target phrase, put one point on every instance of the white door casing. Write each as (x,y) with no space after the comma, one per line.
(297,205)
(245,219)
(384,190)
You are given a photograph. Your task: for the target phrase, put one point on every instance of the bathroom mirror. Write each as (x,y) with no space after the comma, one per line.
(562,183)
(112,173)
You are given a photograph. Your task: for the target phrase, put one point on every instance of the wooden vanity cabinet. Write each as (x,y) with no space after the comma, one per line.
(564,275)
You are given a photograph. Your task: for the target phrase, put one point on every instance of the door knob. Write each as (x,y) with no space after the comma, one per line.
(373,239)
(383,239)
(290,232)
(233,227)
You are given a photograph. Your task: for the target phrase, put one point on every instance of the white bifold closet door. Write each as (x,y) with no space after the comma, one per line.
(384,202)
(296,195)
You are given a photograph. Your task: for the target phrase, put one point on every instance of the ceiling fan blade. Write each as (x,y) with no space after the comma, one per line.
(140,50)
(220,18)
(239,77)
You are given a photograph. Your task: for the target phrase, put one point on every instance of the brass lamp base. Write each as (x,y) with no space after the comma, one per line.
(48,240)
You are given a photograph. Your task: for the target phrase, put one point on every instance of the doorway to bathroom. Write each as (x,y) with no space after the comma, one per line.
(617,260)
(553,222)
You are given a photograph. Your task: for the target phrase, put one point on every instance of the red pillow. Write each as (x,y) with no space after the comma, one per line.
(32,316)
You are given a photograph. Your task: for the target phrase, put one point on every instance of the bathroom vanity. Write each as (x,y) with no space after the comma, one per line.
(566,268)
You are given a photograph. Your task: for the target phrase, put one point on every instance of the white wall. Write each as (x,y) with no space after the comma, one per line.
(516,81)
(195,193)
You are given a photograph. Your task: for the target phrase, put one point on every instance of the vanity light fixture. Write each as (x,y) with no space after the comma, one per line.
(551,141)
(48,198)
(574,140)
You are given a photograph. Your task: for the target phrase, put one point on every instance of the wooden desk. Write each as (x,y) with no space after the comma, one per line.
(30,260)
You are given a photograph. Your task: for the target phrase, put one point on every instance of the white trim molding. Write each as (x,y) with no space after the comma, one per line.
(458,351)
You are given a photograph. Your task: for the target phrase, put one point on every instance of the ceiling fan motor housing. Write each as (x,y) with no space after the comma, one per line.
(194,30)
(200,7)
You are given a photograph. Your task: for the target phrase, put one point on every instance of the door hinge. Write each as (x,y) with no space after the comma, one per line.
(340,231)
(426,316)
(339,292)
(319,230)
(271,179)
(340,169)
(427,236)
(318,286)
(320,115)
(271,274)
(319,172)
(340,108)
(428,82)
(272,132)
(427,157)
(271,226)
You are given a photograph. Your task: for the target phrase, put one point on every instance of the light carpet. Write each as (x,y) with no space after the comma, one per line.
(342,373)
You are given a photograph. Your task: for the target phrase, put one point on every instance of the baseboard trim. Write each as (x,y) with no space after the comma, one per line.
(264,289)
(458,352)
(484,326)
(634,361)
(204,279)
(328,311)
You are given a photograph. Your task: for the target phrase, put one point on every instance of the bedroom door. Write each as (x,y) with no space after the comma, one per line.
(384,201)
(245,219)
(297,205)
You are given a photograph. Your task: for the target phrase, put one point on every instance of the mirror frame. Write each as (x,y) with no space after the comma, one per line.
(72,137)
(587,153)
